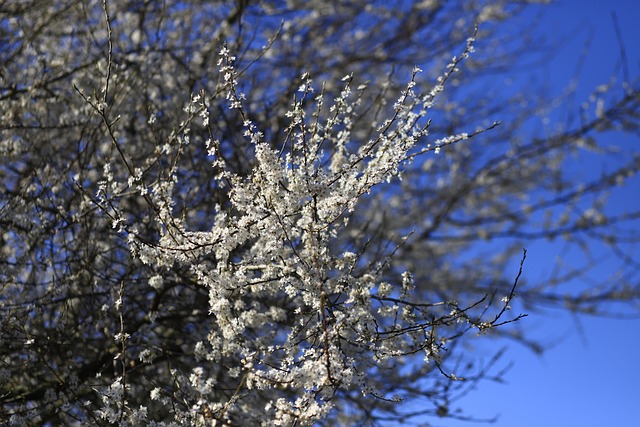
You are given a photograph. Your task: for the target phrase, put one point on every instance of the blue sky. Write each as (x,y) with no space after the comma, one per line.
(592,376)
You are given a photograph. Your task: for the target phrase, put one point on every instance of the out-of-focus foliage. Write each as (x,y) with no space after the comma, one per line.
(196,223)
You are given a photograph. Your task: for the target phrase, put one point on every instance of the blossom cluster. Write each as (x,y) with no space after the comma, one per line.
(291,313)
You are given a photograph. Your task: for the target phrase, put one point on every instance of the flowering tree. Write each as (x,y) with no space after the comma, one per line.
(236,214)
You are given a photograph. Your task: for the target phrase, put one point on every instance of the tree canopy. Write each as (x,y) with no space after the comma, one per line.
(283,212)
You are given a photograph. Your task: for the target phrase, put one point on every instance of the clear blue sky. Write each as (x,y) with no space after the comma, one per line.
(592,377)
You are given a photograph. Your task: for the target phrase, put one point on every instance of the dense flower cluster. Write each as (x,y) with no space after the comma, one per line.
(290,314)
